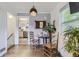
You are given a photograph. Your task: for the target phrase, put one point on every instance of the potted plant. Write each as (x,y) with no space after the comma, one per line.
(72,40)
(50,29)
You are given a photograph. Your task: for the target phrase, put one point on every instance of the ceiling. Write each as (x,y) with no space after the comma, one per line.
(25,6)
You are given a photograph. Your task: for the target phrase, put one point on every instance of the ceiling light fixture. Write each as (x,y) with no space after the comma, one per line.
(33,11)
(10,16)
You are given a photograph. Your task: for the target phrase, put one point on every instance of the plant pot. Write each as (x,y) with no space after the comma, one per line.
(50,38)
(76,54)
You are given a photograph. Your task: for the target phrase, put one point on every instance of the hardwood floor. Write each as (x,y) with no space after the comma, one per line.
(24,51)
(23,40)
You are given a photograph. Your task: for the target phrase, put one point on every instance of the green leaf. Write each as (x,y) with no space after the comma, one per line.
(72,36)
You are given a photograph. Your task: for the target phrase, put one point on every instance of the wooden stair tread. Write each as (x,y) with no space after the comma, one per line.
(49,46)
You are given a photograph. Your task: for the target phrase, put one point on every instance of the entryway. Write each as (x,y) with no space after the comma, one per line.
(23,29)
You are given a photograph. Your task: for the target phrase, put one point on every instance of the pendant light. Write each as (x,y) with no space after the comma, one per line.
(33,11)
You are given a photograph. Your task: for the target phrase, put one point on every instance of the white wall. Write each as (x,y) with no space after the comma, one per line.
(3,26)
(13,12)
(56,16)
(3,34)
(11,23)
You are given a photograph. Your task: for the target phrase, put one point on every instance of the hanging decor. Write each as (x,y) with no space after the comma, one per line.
(33,11)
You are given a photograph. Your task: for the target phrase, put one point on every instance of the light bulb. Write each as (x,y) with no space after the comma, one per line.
(33,13)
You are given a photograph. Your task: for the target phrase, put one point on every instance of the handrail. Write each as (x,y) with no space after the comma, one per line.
(10,36)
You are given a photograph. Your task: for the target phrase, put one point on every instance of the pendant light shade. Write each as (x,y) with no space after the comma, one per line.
(33,11)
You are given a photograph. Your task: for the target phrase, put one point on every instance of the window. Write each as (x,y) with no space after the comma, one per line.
(67,19)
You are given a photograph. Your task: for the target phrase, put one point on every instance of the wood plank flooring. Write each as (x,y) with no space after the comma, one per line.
(23,40)
(24,51)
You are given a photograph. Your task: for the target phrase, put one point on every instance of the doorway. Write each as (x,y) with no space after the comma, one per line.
(23,30)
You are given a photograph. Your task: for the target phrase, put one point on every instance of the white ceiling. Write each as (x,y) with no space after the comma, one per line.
(25,6)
